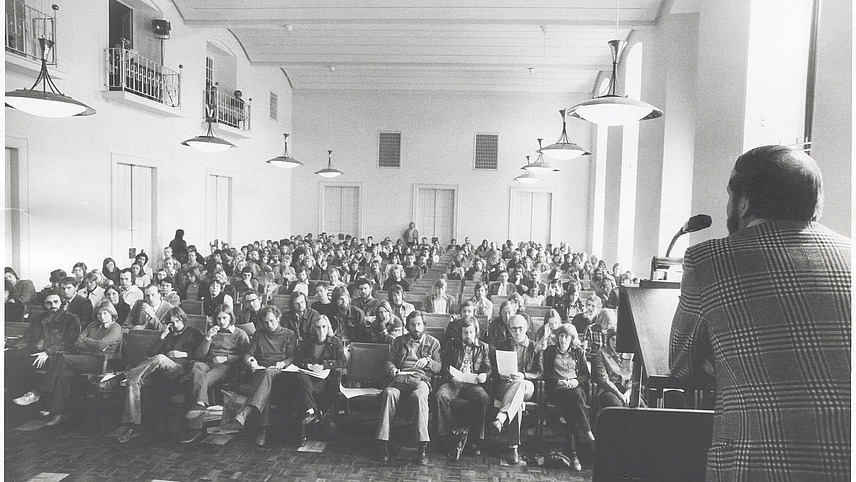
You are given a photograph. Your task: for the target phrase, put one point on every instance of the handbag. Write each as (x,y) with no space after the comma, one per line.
(406,381)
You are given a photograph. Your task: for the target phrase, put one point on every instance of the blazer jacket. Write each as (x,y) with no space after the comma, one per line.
(766,311)
(453,355)
(332,356)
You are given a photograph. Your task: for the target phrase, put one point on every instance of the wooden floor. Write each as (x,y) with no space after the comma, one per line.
(84,451)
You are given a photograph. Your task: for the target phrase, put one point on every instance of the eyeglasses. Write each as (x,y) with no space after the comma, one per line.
(517,328)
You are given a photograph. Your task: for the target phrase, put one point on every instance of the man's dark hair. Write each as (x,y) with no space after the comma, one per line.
(128,270)
(780,182)
(362,281)
(68,280)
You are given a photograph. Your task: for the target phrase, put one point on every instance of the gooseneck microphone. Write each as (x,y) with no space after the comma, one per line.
(695,223)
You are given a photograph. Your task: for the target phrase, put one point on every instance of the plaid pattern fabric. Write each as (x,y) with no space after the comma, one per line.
(767,311)
(594,338)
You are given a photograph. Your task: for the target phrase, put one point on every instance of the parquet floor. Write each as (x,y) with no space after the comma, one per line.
(82,449)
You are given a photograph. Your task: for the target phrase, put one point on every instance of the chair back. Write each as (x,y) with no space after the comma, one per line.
(138,344)
(367,364)
(541,311)
(200,322)
(249,328)
(435,331)
(537,323)
(436,320)
(192,307)
(652,444)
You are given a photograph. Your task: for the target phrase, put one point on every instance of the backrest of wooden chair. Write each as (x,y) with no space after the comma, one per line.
(249,328)
(652,444)
(367,363)
(435,331)
(541,311)
(435,320)
(200,322)
(192,307)
(137,346)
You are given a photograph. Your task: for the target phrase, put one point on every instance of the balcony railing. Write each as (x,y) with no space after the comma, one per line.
(24,26)
(228,109)
(131,72)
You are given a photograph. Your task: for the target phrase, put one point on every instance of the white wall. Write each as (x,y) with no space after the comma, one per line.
(69,160)
(437,137)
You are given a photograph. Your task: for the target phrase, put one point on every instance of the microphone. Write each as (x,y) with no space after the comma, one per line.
(695,223)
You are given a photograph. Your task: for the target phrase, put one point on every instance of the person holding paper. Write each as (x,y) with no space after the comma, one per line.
(412,362)
(566,374)
(324,351)
(272,349)
(171,362)
(514,380)
(466,367)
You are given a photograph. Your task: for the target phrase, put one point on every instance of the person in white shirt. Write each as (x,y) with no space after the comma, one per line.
(129,291)
(91,289)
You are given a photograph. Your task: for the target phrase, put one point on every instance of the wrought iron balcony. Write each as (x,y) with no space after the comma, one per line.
(131,72)
(228,109)
(24,26)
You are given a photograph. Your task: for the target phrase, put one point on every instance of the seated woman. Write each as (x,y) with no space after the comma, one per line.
(191,290)
(612,374)
(100,337)
(546,335)
(272,348)
(323,351)
(387,325)
(533,296)
(111,294)
(141,278)
(566,373)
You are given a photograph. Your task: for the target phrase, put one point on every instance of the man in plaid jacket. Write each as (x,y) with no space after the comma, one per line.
(766,313)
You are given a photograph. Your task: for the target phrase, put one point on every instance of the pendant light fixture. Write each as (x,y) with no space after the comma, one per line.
(612,108)
(209,142)
(329,171)
(527,177)
(47,101)
(285,161)
(564,149)
(540,166)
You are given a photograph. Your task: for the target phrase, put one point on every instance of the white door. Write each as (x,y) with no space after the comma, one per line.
(531,216)
(341,210)
(13,211)
(135,210)
(436,213)
(219,212)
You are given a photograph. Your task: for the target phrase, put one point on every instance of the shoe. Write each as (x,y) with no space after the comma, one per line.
(495,427)
(383,451)
(27,399)
(513,456)
(422,456)
(562,421)
(557,459)
(190,436)
(132,432)
(260,439)
(44,413)
(57,419)
(195,412)
(311,418)
(575,463)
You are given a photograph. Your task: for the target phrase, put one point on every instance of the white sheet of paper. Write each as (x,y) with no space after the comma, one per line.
(358,392)
(464,377)
(506,362)
(295,369)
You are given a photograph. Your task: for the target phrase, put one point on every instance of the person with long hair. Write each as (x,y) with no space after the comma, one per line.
(110,270)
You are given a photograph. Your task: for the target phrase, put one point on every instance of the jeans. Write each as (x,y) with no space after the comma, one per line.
(572,403)
(203,375)
(311,389)
(60,375)
(259,397)
(139,375)
(478,403)
(389,404)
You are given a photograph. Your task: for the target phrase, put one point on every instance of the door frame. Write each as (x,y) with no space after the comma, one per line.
(551,190)
(322,204)
(117,158)
(21,145)
(210,229)
(415,204)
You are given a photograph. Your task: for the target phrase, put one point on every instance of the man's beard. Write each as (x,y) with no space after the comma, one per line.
(415,336)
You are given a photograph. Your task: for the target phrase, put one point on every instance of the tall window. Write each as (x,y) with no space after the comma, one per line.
(121,26)
(341,206)
(531,215)
(135,207)
(219,208)
(435,211)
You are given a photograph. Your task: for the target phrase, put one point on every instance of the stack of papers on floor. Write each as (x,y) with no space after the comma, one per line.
(358,392)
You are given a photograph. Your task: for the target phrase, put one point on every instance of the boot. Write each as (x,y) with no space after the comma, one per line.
(422,457)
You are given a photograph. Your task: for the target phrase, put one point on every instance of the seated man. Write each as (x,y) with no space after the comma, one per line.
(129,291)
(363,298)
(469,356)
(101,337)
(412,362)
(396,278)
(215,297)
(272,348)
(323,305)
(400,308)
(167,291)
(499,327)
(46,339)
(91,290)
(387,326)
(247,281)
(219,353)
(301,318)
(148,313)
(250,313)
(301,283)
(73,302)
(595,335)
(349,322)
(501,287)
(517,387)
(324,350)
(170,363)
(453,329)
(25,288)
(439,301)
